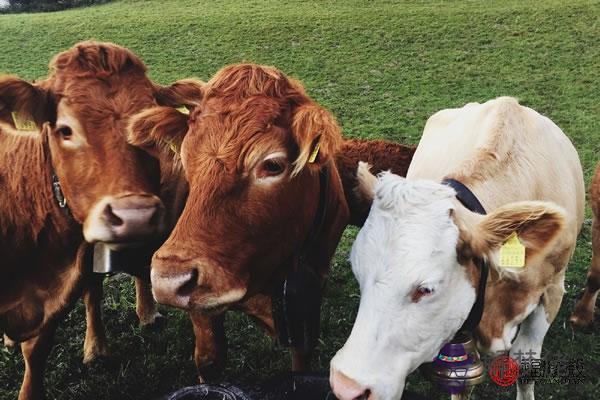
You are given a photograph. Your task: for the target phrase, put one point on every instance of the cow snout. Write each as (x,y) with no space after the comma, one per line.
(174,289)
(130,218)
(189,283)
(346,388)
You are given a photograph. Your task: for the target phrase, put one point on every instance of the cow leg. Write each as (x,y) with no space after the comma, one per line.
(301,360)
(583,315)
(35,352)
(8,342)
(95,344)
(145,305)
(259,307)
(528,345)
(210,352)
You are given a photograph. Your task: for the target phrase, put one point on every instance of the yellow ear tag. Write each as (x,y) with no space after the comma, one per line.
(22,123)
(183,110)
(512,253)
(314,154)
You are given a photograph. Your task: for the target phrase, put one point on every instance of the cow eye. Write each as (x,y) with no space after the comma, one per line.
(65,132)
(420,292)
(271,167)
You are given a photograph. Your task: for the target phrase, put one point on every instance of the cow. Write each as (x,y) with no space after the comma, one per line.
(254,152)
(70,179)
(419,256)
(583,314)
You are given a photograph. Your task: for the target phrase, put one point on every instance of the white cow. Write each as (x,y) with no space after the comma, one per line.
(414,257)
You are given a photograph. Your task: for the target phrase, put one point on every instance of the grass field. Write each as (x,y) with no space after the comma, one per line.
(382,67)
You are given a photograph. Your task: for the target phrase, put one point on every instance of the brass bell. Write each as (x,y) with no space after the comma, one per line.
(457,368)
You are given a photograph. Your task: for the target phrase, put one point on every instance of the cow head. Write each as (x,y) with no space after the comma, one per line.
(252,152)
(414,261)
(81,112)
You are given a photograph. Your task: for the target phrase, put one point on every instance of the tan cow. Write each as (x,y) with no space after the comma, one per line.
(415,257)
(249,152)
(73,179)
(583,315)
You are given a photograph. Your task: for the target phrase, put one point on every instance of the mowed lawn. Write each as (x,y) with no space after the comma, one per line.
(382,68)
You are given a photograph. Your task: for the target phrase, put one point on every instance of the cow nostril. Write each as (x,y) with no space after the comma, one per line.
(111,217)
(154,220)
(365,396)
(188,287)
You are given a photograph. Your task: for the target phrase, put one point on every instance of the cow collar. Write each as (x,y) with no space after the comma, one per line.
(57,192)
(470,201)
(296,299)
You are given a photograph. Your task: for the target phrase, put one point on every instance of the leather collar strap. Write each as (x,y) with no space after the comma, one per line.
(465,196)
(296,299)
(57,192)
(320,215)
(470,201)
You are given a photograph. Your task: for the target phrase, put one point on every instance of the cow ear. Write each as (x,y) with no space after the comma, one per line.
(317,134)
(183,93)
(24,106)
(536,225)
(158,129)
(365,189)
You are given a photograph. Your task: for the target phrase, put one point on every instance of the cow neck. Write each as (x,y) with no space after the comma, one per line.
(320,215)
(57,192)
(296,299)
(470,201)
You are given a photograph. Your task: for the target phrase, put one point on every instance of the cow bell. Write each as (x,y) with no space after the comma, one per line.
(128,260)
(457,367)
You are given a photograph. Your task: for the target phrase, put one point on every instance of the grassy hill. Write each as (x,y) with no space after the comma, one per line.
(382,67)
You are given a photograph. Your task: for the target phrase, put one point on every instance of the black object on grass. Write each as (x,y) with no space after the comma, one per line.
(292,386)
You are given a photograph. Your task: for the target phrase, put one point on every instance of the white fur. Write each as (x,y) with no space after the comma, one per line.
(530,340)
(504,344)
(409,240)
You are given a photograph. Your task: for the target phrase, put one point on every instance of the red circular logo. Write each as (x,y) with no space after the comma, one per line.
(504,371)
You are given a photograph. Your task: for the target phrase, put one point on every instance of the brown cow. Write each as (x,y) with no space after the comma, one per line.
(583,315)
(72,179)
(381,155)
(252,152)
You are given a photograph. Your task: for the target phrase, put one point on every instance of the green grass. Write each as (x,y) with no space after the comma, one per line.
(382,67)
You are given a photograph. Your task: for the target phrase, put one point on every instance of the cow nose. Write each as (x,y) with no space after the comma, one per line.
(133,217)
(174,288)
(346,388)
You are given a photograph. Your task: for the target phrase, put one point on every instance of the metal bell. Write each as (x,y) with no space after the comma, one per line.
(457,368)
(129,260)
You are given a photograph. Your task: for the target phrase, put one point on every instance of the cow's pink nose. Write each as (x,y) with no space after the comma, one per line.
(346,388)
(174,288)
(133,217)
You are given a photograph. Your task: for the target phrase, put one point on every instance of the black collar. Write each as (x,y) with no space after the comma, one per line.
(59,196)
(57,192)
(465,196)
(296,299)
(470,201)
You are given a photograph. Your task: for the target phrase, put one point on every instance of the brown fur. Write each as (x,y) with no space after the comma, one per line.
(248,110)
(381,155)
(44,266)
(583,314)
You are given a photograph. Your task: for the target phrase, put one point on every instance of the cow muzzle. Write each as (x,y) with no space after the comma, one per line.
(346,388)
(132,218)
(195,288)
